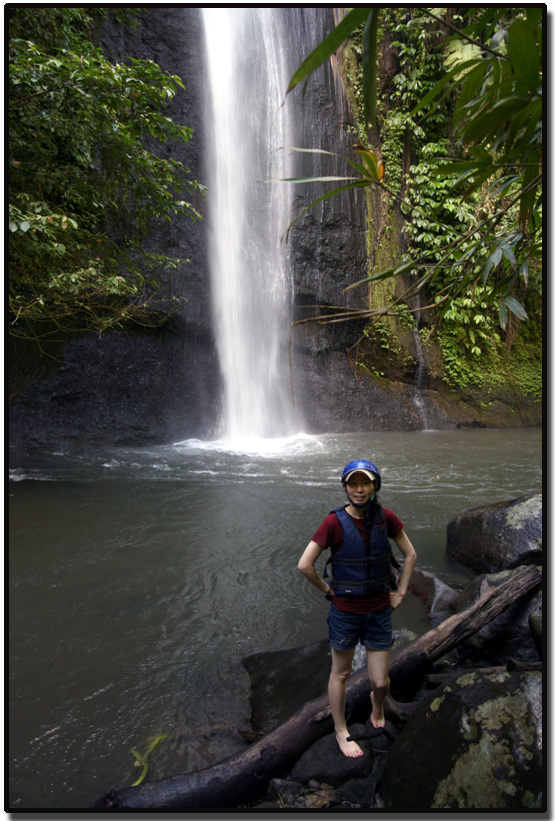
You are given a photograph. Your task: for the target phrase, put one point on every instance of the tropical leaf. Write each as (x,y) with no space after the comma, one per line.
(497,117)
(521,47)
(529,189)
(472,85)
(492,263)
(329,46)
(484,27)
(443,83)
(141,760)
(459,53)
(515,307)
(332,193)
(369,65)
(493,119)
(374,163)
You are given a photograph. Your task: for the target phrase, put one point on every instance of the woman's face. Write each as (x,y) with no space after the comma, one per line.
(360,488)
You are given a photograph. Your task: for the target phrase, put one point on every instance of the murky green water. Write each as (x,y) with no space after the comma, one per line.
(137,578)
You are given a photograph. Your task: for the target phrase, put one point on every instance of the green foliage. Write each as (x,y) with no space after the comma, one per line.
(474,353)
(498,119)
(141,759)
(468,338)
(379,333)
(419,65)
(474,213)
(87,176)
(435,213)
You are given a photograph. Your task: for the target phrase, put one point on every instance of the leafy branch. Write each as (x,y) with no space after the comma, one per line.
(497,117)
(88,178)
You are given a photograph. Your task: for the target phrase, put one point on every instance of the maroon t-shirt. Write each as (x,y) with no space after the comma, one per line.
(330,534)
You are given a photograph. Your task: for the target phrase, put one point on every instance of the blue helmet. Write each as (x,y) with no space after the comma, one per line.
(364,466)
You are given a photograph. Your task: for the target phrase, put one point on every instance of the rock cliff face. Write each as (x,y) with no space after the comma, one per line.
(157,386)
(165,385)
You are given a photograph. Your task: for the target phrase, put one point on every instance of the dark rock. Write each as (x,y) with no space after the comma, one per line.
(318,796)
(280,685)
(324,762)
(535,623)
(402,637)
(497,537)
(475,744)
(508,634)
(120,390)
(380,740)
(398,713)
(285,792)
(266,805)
(436,596)
(358,792)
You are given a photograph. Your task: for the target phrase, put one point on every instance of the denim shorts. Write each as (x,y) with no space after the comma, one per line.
(373,630)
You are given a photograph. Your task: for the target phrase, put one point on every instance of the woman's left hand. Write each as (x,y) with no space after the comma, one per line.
(395,598)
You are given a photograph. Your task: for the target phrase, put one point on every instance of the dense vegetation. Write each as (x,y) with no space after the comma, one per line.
(448,116)
(447,106)
(87,175)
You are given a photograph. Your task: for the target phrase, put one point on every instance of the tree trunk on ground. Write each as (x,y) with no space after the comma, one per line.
(245,776)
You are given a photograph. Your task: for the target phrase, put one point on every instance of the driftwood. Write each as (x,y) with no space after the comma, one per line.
(523,666)
(245,776)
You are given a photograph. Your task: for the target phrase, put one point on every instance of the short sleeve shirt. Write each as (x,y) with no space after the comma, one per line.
(330,535)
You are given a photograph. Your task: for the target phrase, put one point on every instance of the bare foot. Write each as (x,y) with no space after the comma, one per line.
(348,748)
(377,718)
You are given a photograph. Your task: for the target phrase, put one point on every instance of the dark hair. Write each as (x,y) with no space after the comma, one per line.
(373,515)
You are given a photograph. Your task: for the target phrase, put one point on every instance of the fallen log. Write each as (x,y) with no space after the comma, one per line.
(245,776)
(523,665)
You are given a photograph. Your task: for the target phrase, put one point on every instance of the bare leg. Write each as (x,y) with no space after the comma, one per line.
(378,669)
(341,666)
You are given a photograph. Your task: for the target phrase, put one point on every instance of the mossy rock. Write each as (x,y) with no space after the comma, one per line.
(493,758)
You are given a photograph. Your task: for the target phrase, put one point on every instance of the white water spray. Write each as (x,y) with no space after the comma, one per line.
(250,278)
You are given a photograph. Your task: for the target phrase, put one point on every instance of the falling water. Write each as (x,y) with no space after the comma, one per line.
(247,126)
(419,399)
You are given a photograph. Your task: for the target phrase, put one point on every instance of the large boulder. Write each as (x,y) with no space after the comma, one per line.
(535,622)
(324,762)
(281,681)
(497,537)
(281,684)
(437,597)
(507,635)
(474,744)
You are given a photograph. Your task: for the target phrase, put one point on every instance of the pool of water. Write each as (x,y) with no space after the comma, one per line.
(138,577)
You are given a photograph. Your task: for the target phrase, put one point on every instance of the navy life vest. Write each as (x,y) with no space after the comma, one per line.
(358,571)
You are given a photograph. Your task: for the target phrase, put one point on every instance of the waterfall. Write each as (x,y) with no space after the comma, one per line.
(247,128)
(419,399)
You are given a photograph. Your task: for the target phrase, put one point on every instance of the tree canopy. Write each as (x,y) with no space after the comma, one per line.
(484,67)
(87,175)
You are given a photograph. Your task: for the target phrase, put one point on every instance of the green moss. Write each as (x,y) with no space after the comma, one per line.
(471,355)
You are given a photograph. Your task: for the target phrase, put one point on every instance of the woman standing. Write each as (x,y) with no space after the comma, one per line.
(361,599)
